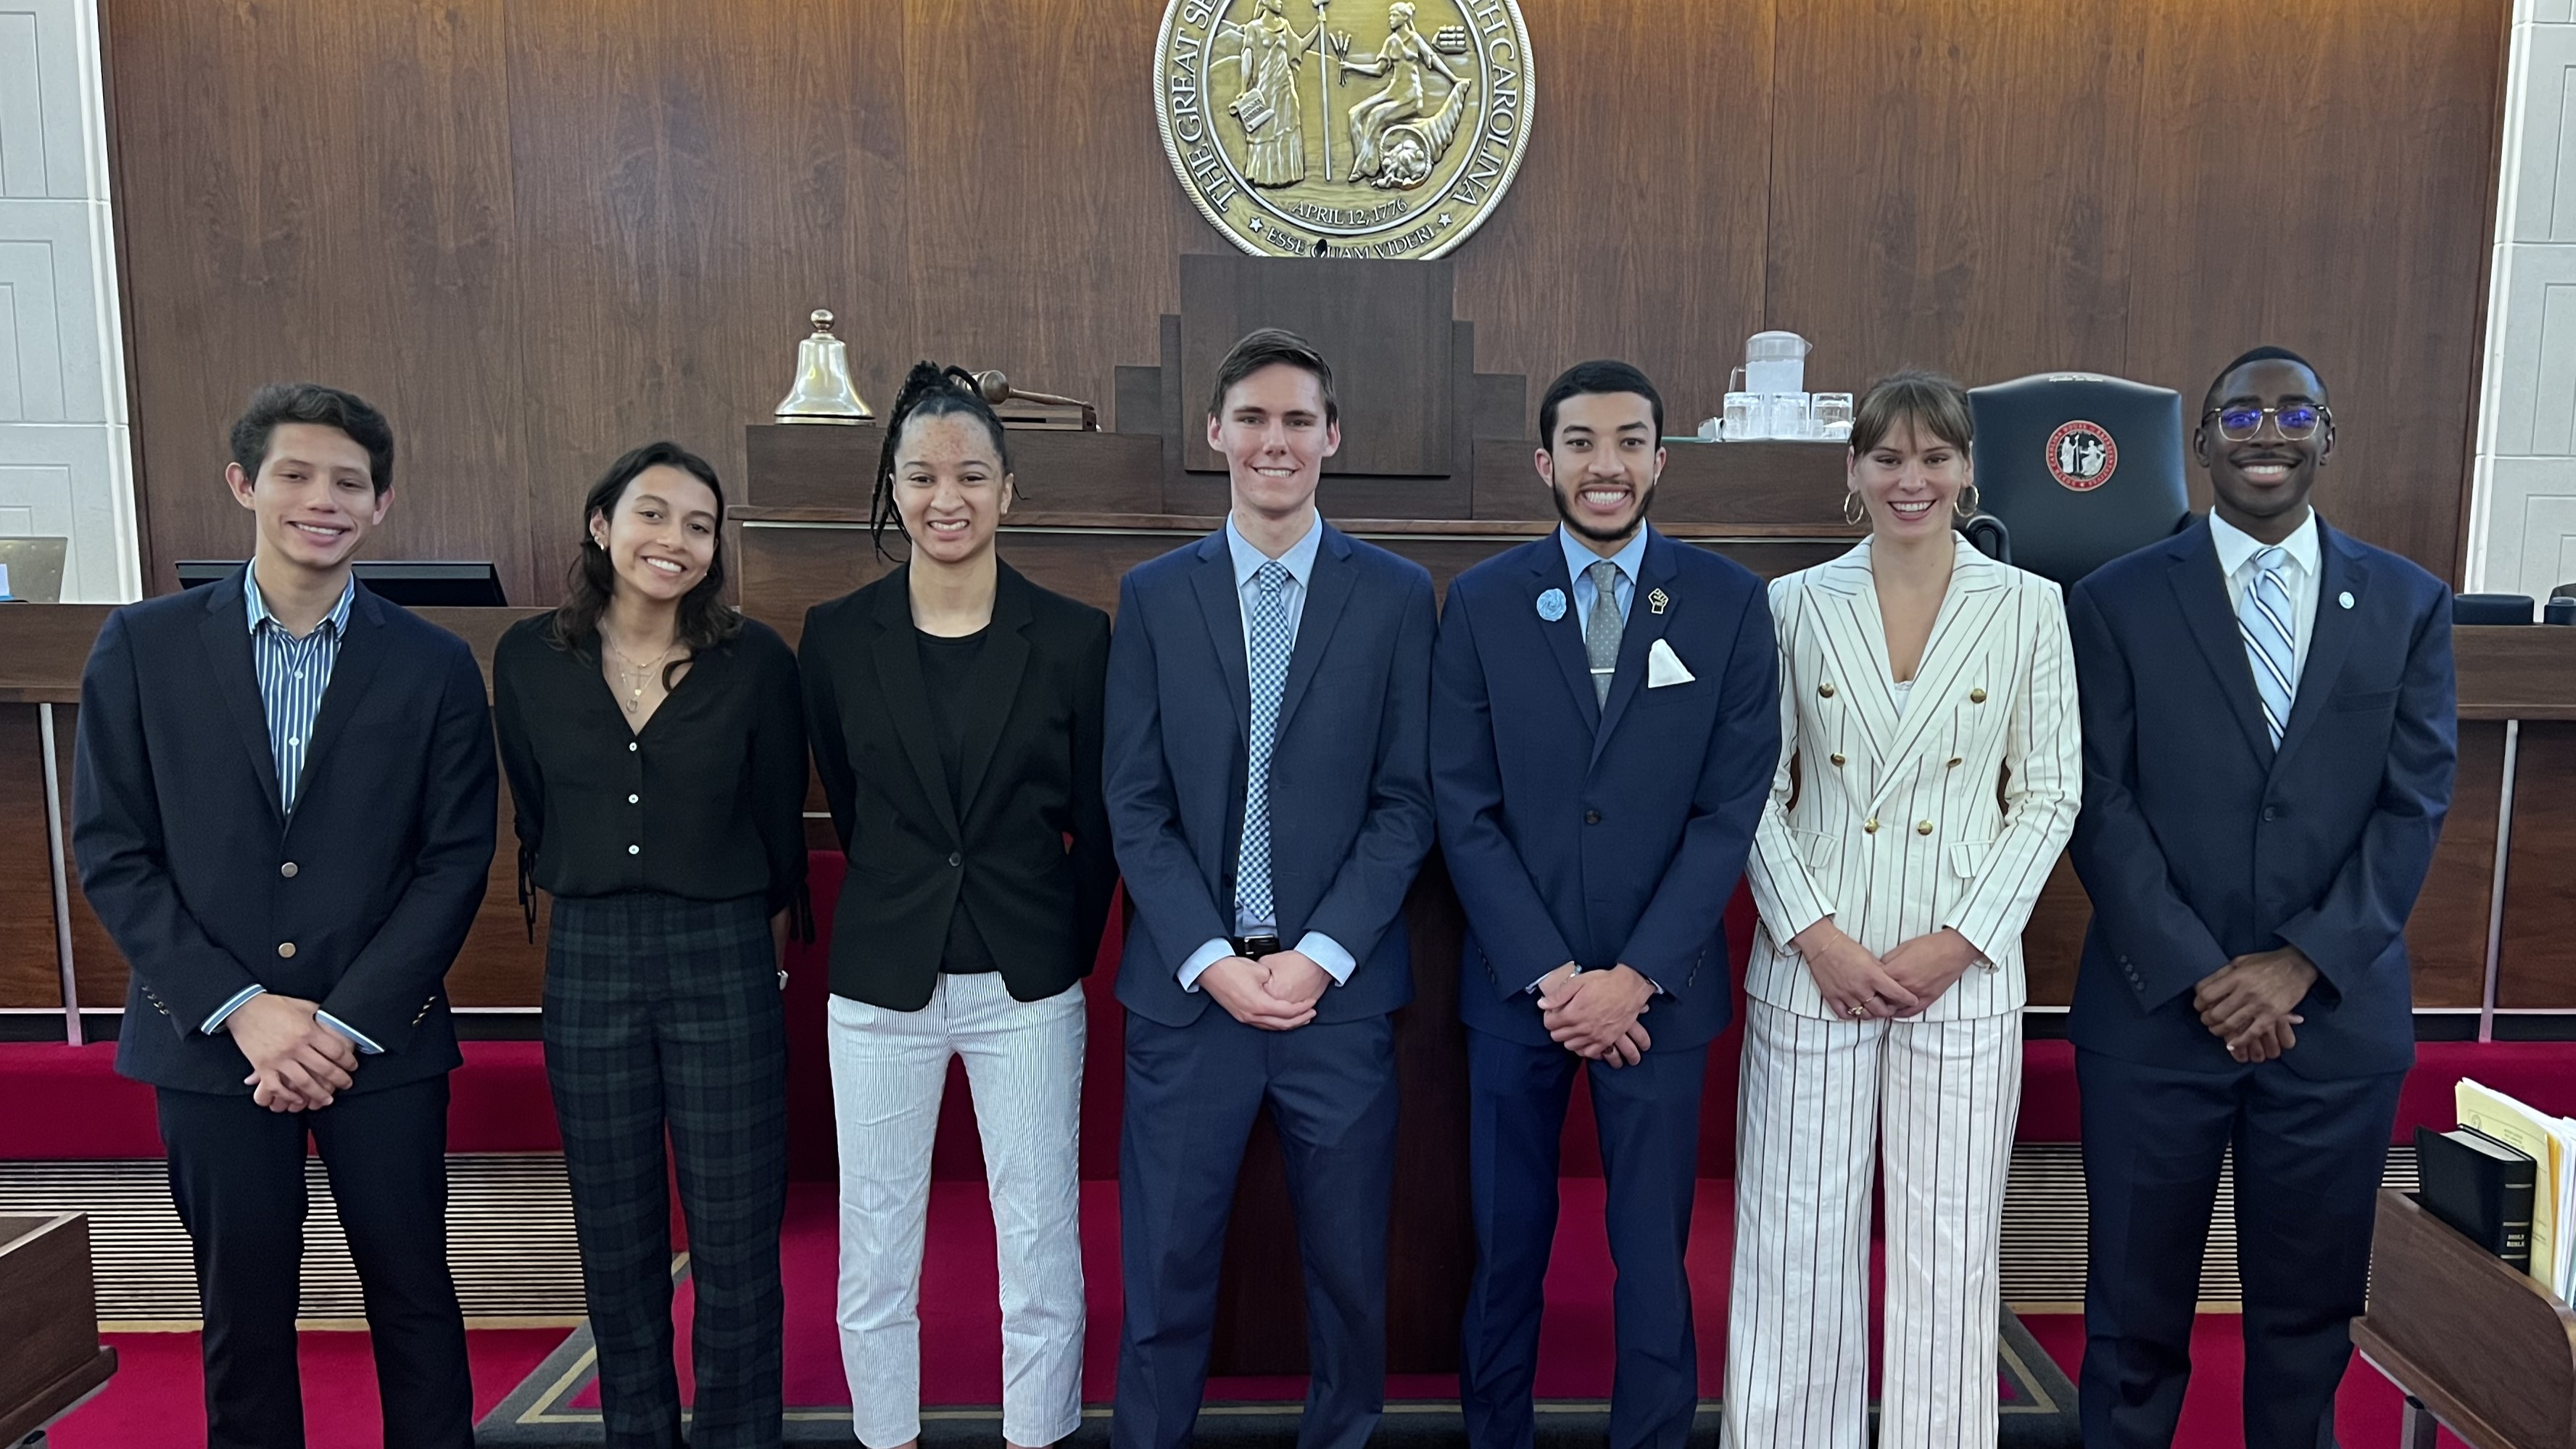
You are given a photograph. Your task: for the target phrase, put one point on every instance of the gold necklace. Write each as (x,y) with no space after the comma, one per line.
(632,676)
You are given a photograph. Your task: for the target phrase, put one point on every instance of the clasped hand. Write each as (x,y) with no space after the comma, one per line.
(297,1064)
(1276,993)
(1593,1014)
(1858,986)
(2246,1003)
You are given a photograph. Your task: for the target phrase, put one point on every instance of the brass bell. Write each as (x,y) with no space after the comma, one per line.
(823,393)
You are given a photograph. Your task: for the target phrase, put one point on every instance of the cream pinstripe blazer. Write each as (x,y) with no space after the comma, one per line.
(1950,814)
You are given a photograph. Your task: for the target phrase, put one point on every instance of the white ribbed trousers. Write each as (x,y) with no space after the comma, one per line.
(1024,1067)
(1943,1096)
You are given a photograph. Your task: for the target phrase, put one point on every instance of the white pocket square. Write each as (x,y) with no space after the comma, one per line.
(1664,667)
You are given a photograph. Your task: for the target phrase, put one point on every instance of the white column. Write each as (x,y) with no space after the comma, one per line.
(2522,524)
(66,460)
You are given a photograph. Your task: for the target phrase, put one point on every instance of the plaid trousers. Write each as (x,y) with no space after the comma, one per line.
(664,1013)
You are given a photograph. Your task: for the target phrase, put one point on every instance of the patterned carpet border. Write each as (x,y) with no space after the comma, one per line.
(2038,1412)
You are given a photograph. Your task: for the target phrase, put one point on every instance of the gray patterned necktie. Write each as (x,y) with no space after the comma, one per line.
(1601,631)
(1271,644)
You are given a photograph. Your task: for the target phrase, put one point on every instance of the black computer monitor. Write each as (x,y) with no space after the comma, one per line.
(412,584)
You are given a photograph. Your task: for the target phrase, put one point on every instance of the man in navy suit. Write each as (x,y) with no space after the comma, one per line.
(1269,799)
(283,810)
(1605,711)
(2269,739)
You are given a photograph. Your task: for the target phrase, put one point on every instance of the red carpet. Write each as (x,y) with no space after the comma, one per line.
(2366,1413)
(157,1399)
(961,1323)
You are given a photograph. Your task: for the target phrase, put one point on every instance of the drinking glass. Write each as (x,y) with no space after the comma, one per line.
(1745,417)
(1833,415)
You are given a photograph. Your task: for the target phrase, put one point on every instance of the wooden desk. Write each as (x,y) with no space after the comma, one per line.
(2471,1342)
(50,1356)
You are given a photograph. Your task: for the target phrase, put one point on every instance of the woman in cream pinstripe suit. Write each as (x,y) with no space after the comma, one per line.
(1929,773)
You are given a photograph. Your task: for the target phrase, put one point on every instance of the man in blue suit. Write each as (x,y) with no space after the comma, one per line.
(283,810)
(1605,718)
(1269,799)
(2269,739)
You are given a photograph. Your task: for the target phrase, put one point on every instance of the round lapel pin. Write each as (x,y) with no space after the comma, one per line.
(1551,605)
(2344,598)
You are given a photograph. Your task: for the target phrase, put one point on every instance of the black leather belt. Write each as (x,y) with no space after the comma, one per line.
(1253,948)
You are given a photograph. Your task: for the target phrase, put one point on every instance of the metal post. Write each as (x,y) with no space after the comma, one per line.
(2495,893)
(2417,1429)
(61,870)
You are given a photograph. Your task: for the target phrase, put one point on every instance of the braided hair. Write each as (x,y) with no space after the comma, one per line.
(929,391)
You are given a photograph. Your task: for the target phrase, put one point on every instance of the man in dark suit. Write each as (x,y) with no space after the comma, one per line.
(2269,739)
(1269,799)
(1606,721)
(283,812)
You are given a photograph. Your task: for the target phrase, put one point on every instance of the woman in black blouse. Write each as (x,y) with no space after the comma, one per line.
(955,709)
(655,745)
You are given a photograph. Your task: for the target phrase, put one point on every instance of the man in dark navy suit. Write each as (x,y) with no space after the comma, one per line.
(2269,739)
(283,811)
(1606,722)
(1269,799)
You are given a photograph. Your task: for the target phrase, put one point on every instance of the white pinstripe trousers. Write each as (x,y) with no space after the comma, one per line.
(1944,1095)
(1024,1066)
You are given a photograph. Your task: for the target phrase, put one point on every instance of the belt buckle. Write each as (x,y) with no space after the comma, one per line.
(1253,948)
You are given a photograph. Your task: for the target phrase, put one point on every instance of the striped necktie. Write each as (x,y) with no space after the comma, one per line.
(2271,644)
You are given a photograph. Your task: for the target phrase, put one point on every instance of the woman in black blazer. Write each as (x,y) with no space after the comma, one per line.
(955,710)
(655,744)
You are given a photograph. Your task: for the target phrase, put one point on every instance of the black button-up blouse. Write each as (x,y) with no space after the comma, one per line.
(706,802)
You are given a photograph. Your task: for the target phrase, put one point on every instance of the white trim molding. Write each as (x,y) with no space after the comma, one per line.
(66,449)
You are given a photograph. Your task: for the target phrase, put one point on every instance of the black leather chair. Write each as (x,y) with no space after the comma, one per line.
(1987,534)
(2491,608)
(2080,469)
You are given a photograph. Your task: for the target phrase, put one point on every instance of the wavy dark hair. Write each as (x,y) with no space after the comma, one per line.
(706,620)
(929,391)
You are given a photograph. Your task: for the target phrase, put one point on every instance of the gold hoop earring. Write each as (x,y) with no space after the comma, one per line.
(1967,502)
(1854,511)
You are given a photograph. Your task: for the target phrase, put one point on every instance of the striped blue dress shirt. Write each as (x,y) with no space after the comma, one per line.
(293,676)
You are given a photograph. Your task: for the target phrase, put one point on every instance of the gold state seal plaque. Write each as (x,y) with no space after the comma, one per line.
(1303,128)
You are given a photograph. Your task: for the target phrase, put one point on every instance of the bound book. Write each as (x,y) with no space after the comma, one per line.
(2481,1187)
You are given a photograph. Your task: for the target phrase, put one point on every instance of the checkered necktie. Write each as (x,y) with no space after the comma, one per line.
(1270,648)
(1601,631)
(2270,643)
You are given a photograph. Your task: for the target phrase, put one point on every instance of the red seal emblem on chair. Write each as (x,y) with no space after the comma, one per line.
(2081,455)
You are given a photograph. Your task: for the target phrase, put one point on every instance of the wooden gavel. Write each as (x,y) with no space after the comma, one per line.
(995,388)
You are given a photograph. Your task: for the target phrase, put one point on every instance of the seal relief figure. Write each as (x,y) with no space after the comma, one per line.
(1294,140)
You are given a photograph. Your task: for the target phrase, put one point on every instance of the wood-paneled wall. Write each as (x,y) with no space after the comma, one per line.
(540,231)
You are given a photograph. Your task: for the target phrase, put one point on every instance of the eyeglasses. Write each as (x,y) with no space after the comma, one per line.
(2297,421)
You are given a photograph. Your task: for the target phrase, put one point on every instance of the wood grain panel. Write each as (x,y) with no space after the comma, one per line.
(1385,331)
(1044,220)
(806,465)
(98,966)
(30,966)
(2330,194)
(2536,966)
(1637,226)
(692,181)
(2052,945)
(2447,935)
(315,190)
(612,220)
(1951,185)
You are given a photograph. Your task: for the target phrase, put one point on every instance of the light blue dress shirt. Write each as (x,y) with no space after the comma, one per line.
(1299,560)
(1579,559)
(293,674)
